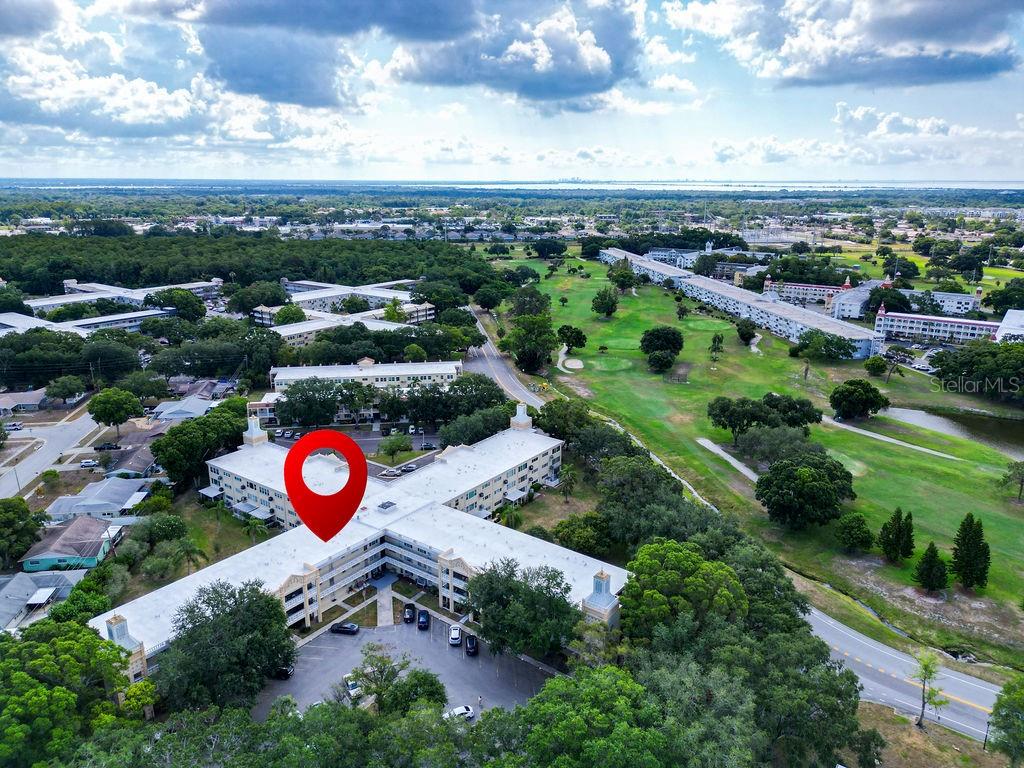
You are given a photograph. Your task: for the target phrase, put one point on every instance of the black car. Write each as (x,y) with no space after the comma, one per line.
(108,447)
(283,673)
(346,628)
(472,645)
(423,619)
(409,613)
(429,447)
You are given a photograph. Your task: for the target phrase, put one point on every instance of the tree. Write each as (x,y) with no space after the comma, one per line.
(12,300)
(254,527)
(806,490)
(930,571)
(857,399)
(144,385)
(19,529)
(394,444)
(418,686)
(80,605)
(227,640)
(378,672)
(189,553)
(745,329)
(414,353)
(113,407)
(896,538)
(767,445)
(288,314)
(188,306)
(894,300)
(393,312)
(563,300)
(818,345)
(605,302)
(586,533)
(530,342)
(261,293)
(926,674)
(1010,296)
(716,347)
(705,264)
(661,338)
(546,248)
(667,578)
(491,294)
(528,300)
(522,610)
(1014,476)
(564,418)
(1008,721)
(596,717)
(876,365)
(567,478)
(737,415)
(65,387)
(310,402)
(853,533)
(58,681)
(971,556)
(572,337)
(660,361)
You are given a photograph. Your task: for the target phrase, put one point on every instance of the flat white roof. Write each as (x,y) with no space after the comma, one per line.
(264,463)
(479,542)
(459,469)
(1012,324)
(300,372)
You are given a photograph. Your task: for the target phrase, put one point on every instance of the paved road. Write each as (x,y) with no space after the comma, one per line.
(490,362)
(886,676)
(58,439)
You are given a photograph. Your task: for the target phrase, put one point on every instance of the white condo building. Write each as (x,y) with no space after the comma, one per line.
(367,371)
(765,310)
(78,293)
(430,527)
(953,330)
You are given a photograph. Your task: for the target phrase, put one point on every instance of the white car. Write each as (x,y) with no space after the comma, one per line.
(13,426)
(465,712)
(455,635)
(352,688)
(88,463)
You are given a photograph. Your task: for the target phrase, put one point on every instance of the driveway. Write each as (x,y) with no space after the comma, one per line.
(503,681)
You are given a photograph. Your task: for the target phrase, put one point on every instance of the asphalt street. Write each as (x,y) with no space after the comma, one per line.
(503,681)
(886,675)
(489,361)
(58,439)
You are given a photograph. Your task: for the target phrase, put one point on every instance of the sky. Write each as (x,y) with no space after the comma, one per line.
(764,90)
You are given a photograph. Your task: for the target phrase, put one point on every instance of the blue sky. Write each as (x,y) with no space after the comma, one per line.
(526,89)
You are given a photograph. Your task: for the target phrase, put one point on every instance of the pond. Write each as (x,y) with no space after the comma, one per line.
(1005,435)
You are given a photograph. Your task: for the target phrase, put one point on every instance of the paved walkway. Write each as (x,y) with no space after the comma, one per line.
(886,439)
(735,463)
(385,607)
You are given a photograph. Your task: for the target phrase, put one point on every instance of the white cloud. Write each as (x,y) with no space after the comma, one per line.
(659,55)
(673,83)
(820,42)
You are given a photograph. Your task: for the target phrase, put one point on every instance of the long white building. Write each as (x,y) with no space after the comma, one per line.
(88,293)
(953,330)
(367,371)
(765,310)
(419,527)
(13,322)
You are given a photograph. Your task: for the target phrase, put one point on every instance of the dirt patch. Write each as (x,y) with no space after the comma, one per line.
(681,373)
(577,386)
(910,747)
(968,613)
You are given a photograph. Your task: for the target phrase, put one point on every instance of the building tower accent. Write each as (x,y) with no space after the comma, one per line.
(255,434)
(522,419)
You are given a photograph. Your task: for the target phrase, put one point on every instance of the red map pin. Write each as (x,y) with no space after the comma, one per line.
(325,514)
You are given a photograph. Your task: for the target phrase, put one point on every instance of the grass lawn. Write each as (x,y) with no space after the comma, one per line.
(549,508)
(406,588)
(910,747)
(366,616)
(400,458)
(669,412)
(217,538)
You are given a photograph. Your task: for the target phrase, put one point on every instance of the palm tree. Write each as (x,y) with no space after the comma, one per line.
(510,516)
(189,553)
(254,527)
(567,480)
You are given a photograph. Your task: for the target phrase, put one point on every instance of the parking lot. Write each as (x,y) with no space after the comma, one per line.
(368,441)
(503,681)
